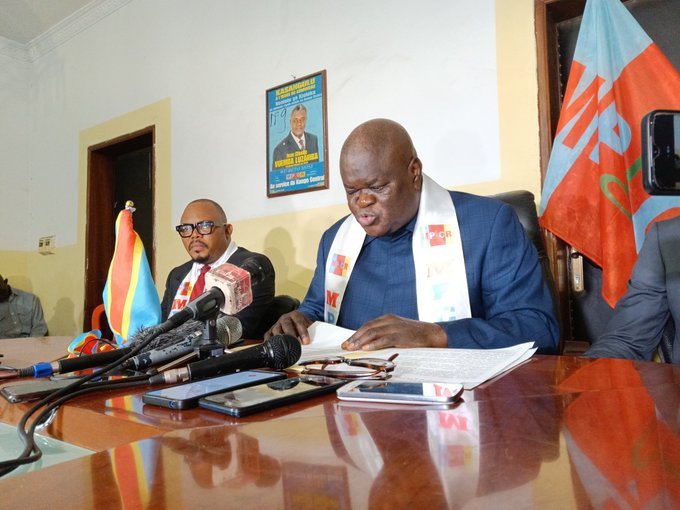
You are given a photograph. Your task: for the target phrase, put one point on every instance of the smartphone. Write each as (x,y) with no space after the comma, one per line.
(267,396)
(34,390)
(401,392)
(23,392)
(187,395)
(661,152)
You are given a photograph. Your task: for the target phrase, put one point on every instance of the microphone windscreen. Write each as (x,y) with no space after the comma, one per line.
(229,330)
(284,351)
(166,339)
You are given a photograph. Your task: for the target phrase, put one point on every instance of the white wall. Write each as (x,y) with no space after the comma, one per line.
(430,65)
(15,179)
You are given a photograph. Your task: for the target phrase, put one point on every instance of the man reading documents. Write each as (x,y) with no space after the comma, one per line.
(415,265)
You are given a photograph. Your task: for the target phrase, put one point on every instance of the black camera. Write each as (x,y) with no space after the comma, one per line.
(661,152)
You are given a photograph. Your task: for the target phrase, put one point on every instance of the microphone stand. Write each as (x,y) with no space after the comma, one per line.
(208,346)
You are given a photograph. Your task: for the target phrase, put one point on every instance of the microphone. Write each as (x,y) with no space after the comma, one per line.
(229,332)
(279,352)
(63,366)
(235,284)
(230,292)
(164,340)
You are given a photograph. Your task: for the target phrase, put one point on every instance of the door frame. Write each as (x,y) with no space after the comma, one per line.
(100,215)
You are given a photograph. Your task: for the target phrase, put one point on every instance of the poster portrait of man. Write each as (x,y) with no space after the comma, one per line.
(297,136)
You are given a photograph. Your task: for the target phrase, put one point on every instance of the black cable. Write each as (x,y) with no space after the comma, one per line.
(28,436)
(64,394)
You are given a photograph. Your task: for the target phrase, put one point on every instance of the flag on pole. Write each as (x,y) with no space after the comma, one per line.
(130,298)
(592,196)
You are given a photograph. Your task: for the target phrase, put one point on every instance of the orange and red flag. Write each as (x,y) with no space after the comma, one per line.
(592,195)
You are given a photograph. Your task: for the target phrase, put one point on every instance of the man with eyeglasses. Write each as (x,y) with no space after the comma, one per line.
(416,265)
(206,236)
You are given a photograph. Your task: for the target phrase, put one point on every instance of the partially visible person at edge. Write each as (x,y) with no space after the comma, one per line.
(651,303)
(20,313)
(206,236)
(415,265)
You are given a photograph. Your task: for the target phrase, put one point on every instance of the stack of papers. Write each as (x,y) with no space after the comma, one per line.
(469,367)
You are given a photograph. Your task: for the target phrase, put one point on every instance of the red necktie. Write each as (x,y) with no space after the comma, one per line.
(200,283)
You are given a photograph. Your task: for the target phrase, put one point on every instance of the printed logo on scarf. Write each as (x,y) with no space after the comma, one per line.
(438,235)
(339,264)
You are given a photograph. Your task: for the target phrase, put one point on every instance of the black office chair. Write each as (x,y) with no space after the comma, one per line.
(666,345)
(524,204)
(280,305)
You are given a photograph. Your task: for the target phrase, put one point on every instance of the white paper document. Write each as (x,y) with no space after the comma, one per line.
(326,340)
(469,367)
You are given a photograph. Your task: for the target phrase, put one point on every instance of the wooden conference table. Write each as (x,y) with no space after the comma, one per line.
(556,432)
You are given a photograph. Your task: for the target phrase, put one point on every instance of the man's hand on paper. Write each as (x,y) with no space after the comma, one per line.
(293,323)
(381,333)
(394,331)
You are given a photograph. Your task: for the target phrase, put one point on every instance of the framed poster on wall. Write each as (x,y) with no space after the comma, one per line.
(297,138)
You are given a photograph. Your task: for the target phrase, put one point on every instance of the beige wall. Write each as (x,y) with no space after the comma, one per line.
(290,240)
(517,98)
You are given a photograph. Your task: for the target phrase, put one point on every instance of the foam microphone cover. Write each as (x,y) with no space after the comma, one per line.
(165,339)
(104,358)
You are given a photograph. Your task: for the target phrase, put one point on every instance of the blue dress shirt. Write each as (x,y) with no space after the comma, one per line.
(509,300)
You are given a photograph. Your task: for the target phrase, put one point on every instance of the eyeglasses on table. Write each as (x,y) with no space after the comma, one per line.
(362,368)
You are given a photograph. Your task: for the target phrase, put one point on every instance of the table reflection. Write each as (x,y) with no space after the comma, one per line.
(224,457)
(128,476)
(623,443)
(488,451)
(315,486)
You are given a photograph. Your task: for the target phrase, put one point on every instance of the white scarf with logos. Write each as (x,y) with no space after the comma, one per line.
(441,282)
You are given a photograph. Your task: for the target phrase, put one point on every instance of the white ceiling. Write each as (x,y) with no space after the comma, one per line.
(24,20)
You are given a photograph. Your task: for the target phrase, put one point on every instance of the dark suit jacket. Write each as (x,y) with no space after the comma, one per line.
(653,296)
(251,316)
(289,145)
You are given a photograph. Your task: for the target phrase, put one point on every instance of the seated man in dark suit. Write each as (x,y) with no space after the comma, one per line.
(298,139)
(206,236)
(416,265)
(652,298)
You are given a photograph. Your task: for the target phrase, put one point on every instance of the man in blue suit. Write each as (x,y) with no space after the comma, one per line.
(298,140)
(415,265)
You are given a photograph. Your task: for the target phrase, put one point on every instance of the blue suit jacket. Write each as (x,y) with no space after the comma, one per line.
(653,296)
(509,300)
